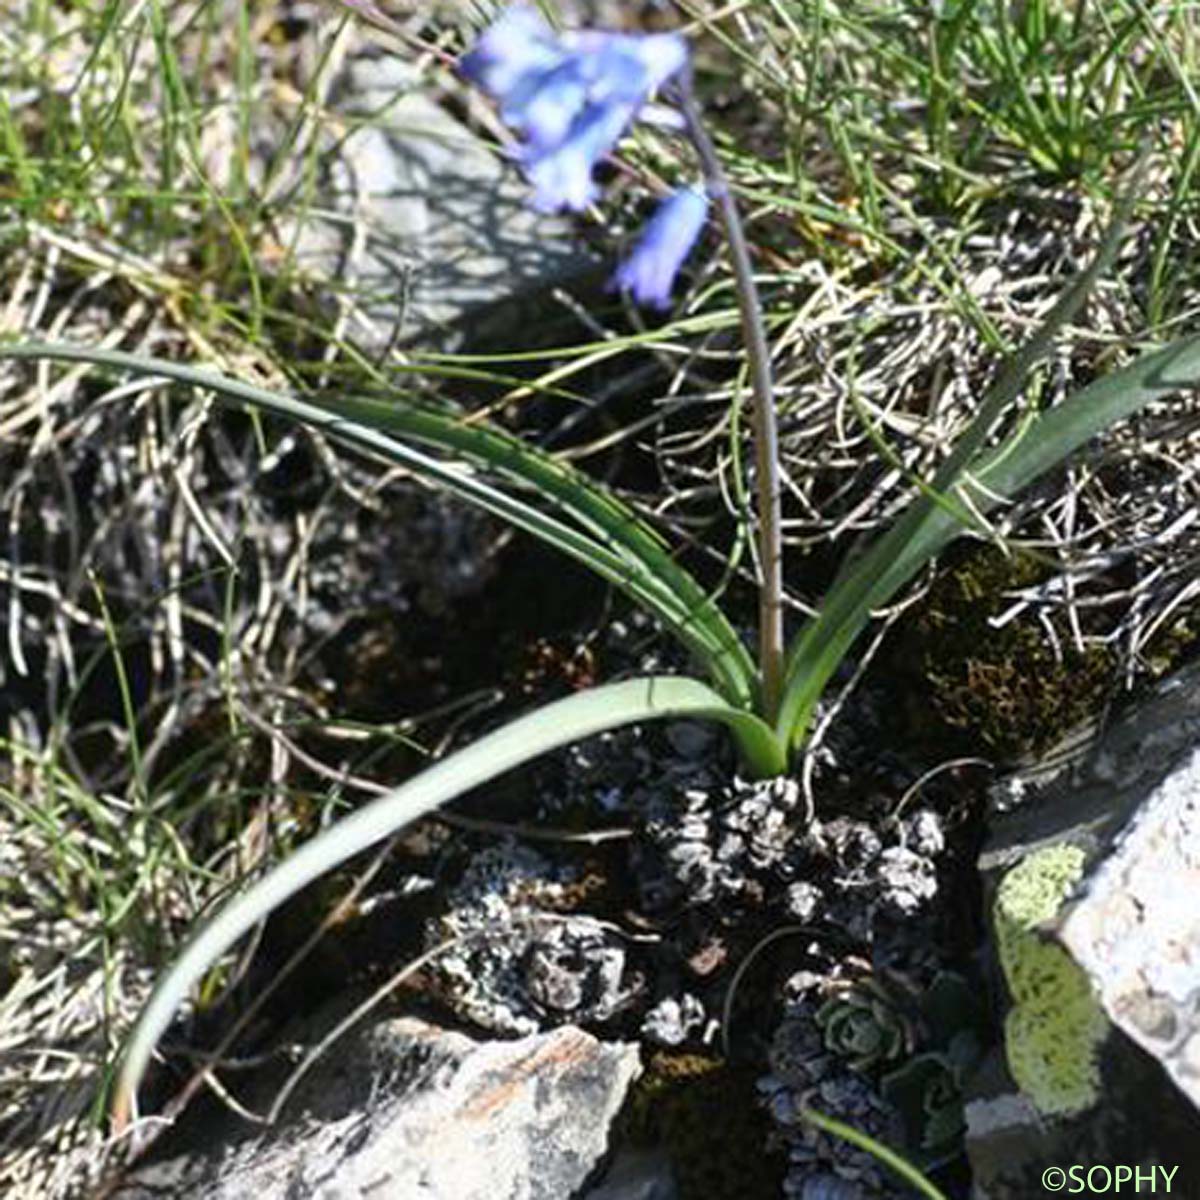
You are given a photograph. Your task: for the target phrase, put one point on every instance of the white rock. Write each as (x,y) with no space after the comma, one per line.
(430,1114)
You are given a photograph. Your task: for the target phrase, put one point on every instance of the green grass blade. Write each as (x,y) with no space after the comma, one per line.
(567,720)
(922,529)
(611,540)
(884,1154)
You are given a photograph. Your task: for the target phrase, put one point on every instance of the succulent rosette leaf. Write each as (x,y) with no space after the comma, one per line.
(862,1027)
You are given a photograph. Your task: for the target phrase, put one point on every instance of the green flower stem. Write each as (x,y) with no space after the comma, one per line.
(766,435)
(884,1154)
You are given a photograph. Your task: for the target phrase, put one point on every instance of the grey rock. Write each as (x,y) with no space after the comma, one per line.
(827,1186)
(1089,785)
(720,844)
(637,1175)
(803,901)
(1007,1141)
(1136,930)
(1129,796)
(923,833)
(872,887)
(673,1019)
(514,965)
(853,845)
(1140,1122)
(908,879)
(572,968)
(411,1110)
(417,217)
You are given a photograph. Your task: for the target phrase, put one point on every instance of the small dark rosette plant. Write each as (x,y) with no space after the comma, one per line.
(863,1026)
(920,1046)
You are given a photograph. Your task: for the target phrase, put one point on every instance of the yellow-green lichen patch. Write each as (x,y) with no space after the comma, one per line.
(705,1112)
(1006,685)
(1053,1032)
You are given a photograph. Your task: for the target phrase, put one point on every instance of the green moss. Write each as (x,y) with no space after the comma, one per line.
(1173,644)
(1003,686)
(1054,1030)
(706,1114)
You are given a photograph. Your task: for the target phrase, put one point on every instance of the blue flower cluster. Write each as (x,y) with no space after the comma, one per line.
(570,97)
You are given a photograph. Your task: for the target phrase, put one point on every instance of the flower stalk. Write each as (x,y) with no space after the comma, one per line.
(570,98)
(765,429)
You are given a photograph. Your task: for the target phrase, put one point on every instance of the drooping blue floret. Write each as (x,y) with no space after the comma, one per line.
(512,53)
(563,178)
(544,109)
(649,271)
(569,97)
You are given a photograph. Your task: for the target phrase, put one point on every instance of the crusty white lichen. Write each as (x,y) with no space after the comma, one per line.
(1054,1030)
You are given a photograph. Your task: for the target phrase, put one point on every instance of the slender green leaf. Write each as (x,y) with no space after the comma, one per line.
(1061,430)
(893,559)
(611,539)
(567,720)
(601,513)
(1041,444)
(884,1154)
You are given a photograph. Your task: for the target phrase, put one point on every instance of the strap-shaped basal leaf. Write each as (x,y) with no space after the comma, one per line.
(567,720)
(1043,443)
(928,523)
(595,508)
(610,539)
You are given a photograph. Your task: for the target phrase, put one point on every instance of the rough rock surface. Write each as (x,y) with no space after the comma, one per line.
(637,1175)
(407,1109)
(1130,798)
(1136,931)
(515,967)
(417,215)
